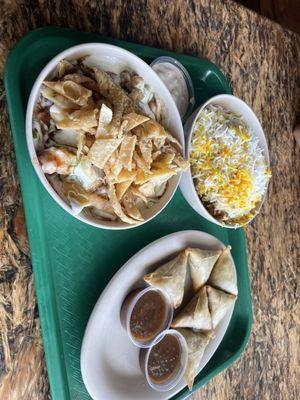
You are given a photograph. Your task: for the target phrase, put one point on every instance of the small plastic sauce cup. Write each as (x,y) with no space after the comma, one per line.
(173,366)
(133,307)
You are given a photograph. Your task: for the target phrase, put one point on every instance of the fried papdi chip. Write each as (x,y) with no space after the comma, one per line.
(115,164)
(140,162)
(83,80)
(134,120)
(153,130)
(182,163)
(101,203)
(136,192)
(146,148)
(71,90)
(101,150)
(117,206)
(158,175)
(147,189)
(58,99)
(172,139)
(126,151)
(114,93)
(80,119)
(167,156)
(130,207)
(122,187)
(125,175)
(142,177)
(105,117)
(64,67)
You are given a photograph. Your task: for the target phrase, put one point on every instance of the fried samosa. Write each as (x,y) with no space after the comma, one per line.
(170,278)
(223,275)
(196,343)
(219,303)
(201,263)
(195,314)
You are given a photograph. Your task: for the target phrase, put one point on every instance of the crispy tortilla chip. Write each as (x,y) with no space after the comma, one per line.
(174,140)
(83,80)
(115,164)
(147,189)
(153,130)
(142,177)
(63,67)
(58,99)
(130,207)
(117,206)
(125,175)
(167,156)
(158,176)
(71,90)
(105,117)
(80,119)
(114,93)
(122,187)
(182,163)
(140,162)
(80,143)
(136,192)
(126,151)
(145,147)
(134,120)
(101,203)
(161,175)
(101,150)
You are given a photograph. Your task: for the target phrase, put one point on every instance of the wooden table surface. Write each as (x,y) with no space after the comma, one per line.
(262,63)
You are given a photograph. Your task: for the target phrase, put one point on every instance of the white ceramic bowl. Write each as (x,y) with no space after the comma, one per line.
(239,107)
(110,56)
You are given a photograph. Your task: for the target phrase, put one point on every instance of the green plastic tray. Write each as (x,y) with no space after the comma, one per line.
(73,262)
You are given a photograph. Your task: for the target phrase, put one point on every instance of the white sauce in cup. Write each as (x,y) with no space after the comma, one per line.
(174,79)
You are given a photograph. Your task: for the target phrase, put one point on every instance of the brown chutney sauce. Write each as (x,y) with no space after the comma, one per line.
(164,359)
(148,316)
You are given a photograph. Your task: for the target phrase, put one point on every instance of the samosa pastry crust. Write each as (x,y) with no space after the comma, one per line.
(196,343)
(195,314)
(223,275)
(201,263)
(170,278)
(219,303)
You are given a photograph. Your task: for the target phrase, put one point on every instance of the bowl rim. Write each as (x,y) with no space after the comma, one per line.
(48,68)
(188,138)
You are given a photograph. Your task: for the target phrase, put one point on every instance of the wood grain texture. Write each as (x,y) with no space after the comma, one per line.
(262,63)
(285,12)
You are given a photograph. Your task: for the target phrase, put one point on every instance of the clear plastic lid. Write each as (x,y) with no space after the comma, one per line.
(180,86)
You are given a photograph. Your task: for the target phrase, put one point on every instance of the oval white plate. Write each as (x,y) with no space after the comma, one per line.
(109,361)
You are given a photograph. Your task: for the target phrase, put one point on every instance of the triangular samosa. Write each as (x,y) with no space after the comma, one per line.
(201,264)
(196,343)
(219,303)
(195,314)
(170,278)
(223,275)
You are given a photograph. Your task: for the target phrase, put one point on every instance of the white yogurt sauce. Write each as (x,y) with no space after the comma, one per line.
(174,79)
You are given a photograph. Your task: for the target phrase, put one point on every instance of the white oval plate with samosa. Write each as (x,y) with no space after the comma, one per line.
(109,361)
